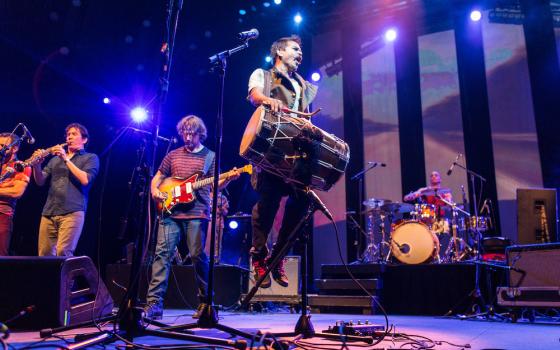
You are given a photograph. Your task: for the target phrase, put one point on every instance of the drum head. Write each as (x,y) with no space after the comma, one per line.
(251,131)
(413,243)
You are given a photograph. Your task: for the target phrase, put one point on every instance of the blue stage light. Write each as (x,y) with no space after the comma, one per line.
(298,18)
(268,59)
(316,76)
(476,15)
(139,114)
(233,224)
(277,2)
(390,35)
(106,100)
(242,12)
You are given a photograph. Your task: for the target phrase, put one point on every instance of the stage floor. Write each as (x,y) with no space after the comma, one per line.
(478,334)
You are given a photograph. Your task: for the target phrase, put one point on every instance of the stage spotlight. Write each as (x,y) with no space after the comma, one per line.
(390,35)
(268,59)
(298,18)
(242,12)
(139,114)
(106,100)
(316,76)
(277,2)
(476,15)
(233,224)
(266,4)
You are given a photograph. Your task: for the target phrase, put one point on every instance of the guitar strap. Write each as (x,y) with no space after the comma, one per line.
(208,161)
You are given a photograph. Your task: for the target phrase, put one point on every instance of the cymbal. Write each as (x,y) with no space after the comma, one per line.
(374,203)
(396,207)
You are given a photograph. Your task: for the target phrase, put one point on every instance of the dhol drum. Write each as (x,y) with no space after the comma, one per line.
(294,149)
(412,242)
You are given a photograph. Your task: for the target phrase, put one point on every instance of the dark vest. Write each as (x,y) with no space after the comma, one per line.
(281,88)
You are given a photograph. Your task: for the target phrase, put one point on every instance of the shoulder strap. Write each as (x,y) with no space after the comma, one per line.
(208,161)
(267,82)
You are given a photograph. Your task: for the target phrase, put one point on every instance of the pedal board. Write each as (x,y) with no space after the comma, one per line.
(365,329)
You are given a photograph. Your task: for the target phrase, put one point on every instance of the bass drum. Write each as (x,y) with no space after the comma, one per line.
(412,242)
(294,149)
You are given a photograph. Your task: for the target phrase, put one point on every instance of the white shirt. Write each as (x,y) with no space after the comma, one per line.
(256,80)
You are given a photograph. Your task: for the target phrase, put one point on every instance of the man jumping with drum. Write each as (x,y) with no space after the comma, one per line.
(278,88)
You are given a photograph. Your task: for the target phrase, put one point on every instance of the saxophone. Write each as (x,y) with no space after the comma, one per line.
(20,166)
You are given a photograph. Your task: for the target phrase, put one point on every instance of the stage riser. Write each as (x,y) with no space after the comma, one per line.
(425,289)
(229,283)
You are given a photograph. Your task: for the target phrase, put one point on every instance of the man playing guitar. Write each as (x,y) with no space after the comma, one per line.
(189,220)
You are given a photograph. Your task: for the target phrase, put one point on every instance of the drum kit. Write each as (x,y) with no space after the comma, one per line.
(436,232)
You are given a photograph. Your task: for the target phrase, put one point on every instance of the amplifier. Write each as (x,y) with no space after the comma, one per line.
(545,297)
(534,265)
(291,266)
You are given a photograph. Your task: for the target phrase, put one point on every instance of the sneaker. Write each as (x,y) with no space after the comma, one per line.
(279,274)
(153,311)
(259,267)
(199,310)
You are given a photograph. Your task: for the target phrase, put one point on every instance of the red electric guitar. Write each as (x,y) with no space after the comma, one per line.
(182,191)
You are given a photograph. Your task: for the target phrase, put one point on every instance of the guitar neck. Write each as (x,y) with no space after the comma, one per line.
(208,181)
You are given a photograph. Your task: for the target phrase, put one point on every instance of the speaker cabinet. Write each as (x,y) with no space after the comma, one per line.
(55,291)
(291,266)
(534,265)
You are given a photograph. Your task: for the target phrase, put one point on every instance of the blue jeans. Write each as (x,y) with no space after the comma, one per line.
(170,232)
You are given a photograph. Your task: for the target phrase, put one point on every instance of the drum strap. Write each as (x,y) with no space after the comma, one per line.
(267,83)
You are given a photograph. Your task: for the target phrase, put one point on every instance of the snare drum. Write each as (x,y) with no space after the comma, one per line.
(412,242)
(294,150)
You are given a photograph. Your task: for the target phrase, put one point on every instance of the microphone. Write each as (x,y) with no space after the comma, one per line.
(320,205)
(248,35)
(376,164)
(27,135)
(459,155)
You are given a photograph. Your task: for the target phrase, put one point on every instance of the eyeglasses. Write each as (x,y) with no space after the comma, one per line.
(187,132)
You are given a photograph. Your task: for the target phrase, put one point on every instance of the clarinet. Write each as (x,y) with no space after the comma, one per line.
(20,166)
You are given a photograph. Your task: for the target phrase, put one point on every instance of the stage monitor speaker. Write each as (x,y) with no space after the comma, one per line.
(53,291)
(534,265)
(536,215)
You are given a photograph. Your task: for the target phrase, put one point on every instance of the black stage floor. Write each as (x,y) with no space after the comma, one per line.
(445,331)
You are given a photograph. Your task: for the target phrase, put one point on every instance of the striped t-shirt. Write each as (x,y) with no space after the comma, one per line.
(182,163)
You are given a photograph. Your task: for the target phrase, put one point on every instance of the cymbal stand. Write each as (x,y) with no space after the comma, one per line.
(454,242)
(360,177)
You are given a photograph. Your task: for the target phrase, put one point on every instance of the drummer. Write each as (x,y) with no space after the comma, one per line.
(432,194)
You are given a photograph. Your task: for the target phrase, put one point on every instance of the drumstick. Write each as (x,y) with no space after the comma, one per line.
(303,114)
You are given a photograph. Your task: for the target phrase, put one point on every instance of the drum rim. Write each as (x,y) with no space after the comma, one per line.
(254,125)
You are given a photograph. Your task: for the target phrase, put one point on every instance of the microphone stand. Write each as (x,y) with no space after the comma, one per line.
(476,295)
(209,316)
(130,318)
(360,177)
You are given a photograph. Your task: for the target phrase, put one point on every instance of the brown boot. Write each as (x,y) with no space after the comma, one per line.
(279,274)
